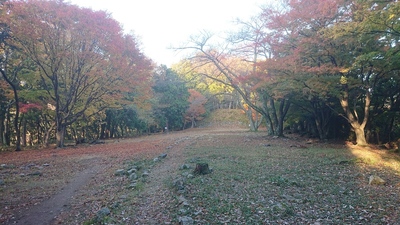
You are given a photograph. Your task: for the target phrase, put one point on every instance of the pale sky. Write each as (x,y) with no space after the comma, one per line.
(160,24)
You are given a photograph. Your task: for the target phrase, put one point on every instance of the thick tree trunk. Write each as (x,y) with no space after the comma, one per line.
(60,136)
(352,116)
(360,136)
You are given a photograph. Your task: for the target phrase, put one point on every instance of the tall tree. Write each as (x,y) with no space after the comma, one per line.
(236,72)
(196,109)
(80,54)
(171,98)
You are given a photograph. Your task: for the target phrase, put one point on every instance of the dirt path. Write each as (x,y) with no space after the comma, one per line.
(47,211)
(93,168)
(157,196)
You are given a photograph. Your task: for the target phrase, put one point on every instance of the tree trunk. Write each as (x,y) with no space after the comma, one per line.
(24,130)
(7,130)
(360,136)
(352,116)
(252,124)
(283,109)
(47,131)
(16,101)
(60,136)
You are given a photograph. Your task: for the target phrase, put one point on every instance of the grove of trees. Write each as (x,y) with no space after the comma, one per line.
(324,68)
(327,68)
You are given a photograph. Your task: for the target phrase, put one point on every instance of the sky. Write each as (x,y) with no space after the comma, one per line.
(162,24)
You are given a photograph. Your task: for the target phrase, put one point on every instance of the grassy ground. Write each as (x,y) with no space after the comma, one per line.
(258,180)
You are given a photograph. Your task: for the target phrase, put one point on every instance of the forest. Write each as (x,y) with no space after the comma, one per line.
(327,69)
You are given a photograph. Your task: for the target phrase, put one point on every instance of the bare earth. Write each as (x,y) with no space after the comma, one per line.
(67,187)
(71,185)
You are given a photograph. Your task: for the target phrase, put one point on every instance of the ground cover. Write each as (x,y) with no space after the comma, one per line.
(255,179)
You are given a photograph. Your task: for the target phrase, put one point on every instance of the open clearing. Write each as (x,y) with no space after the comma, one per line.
(255,179)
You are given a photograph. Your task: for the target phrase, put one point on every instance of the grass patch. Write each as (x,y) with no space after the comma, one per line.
(251,184)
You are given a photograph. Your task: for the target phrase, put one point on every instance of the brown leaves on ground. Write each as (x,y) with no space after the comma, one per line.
(256,179)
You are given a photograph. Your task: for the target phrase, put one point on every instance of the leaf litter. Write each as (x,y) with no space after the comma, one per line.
(256,179)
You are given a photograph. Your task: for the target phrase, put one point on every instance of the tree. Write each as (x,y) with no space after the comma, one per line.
(370,35)
(304,53)
(236,72)
(80,53)
(196,108)
(10,65)
(171,98)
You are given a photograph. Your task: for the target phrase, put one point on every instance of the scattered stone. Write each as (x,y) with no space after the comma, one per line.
(179,184)
(36,173)
(185,220)
(190,176)
(2,182)
(163,156)
(185,174)
(120,172)
(156,159)
(184,167)
(103,213)
(183,201)
(182,211)
(375,180)
(3,166)
(145,174)
(133,176)
(132,171)
(46,165)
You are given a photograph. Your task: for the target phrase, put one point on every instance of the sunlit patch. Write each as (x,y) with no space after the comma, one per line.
(377,158)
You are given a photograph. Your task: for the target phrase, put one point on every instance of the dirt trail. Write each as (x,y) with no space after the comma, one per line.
(157,196)
(47,211)
(97,165)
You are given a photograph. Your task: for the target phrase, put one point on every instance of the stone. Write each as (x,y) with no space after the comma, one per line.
(132,171)
(163,156)
(36,173)
(46,164)
(185,220)
(103,213)
(182,200)
(156,159)
(133,176)
(2,182)
(375,180)
(179,184)
(182,211)
(184,167)
(120,172)
(146,174)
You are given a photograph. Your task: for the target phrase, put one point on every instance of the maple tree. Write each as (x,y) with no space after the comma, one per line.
(236,71)
(83,57)
(196,108)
